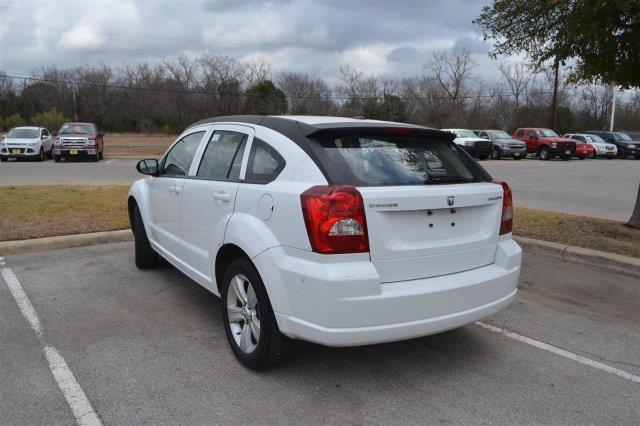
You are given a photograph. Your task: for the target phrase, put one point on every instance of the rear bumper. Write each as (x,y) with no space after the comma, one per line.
(344,304)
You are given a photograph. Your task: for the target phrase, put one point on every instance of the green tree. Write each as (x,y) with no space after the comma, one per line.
(601,36)
(51,119)
(265,98)
(14,120)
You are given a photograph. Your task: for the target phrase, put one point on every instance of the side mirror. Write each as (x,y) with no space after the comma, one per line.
(101,134)
(148,167)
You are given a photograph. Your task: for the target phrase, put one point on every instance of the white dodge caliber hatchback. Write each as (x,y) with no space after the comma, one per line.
(338,231)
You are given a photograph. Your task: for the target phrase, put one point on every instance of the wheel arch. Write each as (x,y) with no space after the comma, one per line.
(247,236)
(225,255)
(138,196)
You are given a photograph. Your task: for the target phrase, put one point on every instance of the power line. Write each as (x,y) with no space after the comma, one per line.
(240,94)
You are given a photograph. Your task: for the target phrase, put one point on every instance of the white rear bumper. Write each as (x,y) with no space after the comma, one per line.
(344,304)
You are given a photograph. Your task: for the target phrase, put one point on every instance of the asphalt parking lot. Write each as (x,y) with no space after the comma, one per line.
(600,188)
(149,347)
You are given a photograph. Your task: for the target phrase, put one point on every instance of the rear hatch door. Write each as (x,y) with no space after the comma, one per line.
(424,231)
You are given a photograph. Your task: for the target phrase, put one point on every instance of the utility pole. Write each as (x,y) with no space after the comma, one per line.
(554,105)
(613,106)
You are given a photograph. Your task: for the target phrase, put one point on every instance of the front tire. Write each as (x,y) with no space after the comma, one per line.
(622,153)
(495,153)
(248,318)
(544,153)
(57,158)
(41,156)
(145,255)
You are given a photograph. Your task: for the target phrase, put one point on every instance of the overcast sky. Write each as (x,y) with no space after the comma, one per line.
(316,37)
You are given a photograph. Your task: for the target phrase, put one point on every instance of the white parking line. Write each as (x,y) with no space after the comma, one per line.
(561,352)
(69,386)
(107,162)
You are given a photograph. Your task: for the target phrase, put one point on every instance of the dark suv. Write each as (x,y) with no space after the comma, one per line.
(626,146)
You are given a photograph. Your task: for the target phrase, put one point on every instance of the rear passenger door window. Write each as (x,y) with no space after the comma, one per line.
(179,158)
(222,159)
(265,164)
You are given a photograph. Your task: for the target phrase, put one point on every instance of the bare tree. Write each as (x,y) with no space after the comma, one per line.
(518,77)
(305,94)
(257,70)
(452,71)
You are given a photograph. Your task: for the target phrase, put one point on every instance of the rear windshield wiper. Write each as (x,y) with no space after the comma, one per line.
(447,179)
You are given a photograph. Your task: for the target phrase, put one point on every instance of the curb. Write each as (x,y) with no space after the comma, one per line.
(582,255)
(130,157)
(65,241)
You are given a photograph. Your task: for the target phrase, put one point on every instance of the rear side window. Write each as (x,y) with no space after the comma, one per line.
(383,159)
(265,164)
(223,156)
(179,158)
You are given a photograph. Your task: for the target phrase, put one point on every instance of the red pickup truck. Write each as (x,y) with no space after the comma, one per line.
(546,143)
(78,140)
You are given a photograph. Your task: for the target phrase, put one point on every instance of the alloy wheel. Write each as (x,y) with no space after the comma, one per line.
(243,313)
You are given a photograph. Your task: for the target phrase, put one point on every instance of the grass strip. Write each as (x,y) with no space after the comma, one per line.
(45,211)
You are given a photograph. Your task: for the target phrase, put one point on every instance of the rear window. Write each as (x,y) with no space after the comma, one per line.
(383,159)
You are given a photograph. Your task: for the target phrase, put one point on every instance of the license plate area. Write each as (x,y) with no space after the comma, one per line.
(16,151)
(73,152)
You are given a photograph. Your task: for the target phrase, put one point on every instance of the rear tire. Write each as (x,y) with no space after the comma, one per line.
(3,159)
(265,346)
(101,155)
(41,156)
(145,255)
(57,158)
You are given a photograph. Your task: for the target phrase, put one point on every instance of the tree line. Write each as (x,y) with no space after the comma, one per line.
(167,96)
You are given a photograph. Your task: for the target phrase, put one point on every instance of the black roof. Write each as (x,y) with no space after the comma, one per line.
(299,131)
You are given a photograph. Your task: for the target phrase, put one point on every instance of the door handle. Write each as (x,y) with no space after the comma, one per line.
(175,189)
(222,196)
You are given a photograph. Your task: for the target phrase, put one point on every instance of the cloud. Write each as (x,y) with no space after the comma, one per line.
(81,38)
(394,37)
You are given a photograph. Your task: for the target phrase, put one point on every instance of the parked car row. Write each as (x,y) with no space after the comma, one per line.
(72,140)
(545,144)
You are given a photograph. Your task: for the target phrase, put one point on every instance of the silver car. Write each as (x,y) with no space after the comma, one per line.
(503,145)
(26,142)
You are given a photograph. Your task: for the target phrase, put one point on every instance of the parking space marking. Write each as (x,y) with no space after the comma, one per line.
(107,162)
(562,352)
(66,381)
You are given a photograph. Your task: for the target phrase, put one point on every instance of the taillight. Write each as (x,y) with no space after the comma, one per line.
(335,220)
(506,221)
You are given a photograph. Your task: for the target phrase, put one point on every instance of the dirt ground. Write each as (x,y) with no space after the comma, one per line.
(136,144)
